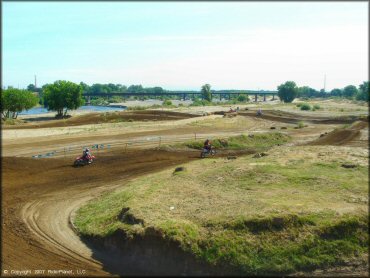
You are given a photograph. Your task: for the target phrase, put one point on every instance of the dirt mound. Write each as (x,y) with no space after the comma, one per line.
(340,137)
(292,118)
(107,117)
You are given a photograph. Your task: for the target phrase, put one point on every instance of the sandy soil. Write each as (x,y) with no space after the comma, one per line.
(35,220)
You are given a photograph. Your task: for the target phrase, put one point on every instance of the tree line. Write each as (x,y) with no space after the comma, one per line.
(62,96)
(288,91)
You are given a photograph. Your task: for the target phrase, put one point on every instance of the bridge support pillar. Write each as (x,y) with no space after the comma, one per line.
(184,97)
(264,97)
(220,97)
(273,97)
(255,97)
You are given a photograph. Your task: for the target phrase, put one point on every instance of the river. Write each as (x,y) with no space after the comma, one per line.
(93,108)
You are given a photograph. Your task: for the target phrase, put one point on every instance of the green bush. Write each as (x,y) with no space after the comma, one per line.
(198,102)
(317,107)
(300,124)
(167,102)
(242,98)
(99,102)
(305,106)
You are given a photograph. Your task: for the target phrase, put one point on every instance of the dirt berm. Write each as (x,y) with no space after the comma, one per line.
(339,137)
(291,118)
(97,118)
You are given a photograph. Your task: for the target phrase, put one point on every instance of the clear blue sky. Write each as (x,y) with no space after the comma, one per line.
(235,45)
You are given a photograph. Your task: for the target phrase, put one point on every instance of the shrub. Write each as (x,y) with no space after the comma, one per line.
(305,106)
(167,102)
(198,102)
(317,107)
(242,98)
(300,124)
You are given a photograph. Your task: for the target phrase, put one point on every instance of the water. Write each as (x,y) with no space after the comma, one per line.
(42,110)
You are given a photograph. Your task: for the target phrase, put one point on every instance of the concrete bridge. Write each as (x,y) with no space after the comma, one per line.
(183,95)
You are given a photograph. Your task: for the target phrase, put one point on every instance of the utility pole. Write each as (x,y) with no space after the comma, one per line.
(35,82)
(324,82)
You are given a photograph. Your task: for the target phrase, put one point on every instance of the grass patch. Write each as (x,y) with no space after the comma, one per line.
(255,141)
(10,121)
(258,217)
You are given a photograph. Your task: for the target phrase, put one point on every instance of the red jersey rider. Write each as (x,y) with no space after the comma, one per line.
(207,145)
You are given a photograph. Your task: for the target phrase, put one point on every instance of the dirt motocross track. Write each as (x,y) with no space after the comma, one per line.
(40,195)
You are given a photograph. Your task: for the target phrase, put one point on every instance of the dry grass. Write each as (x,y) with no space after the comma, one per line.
(224,211)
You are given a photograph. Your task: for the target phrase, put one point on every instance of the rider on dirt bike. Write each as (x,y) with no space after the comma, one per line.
(86,155)
(207,145)
(259,112)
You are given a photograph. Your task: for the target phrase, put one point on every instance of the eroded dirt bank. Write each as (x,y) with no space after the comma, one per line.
(149,254)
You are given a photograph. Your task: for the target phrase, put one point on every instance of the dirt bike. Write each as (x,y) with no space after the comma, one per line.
(206,152)
(82,161)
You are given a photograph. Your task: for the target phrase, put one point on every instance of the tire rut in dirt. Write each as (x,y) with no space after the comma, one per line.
(49,191)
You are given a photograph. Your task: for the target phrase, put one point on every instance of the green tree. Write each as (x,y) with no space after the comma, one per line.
(85,87)
(288,91)
(242,98)
(350,91)
(206,92)
(336,92)
(14,101)
(63,95)
(363,92)
(135,89)
(31,88)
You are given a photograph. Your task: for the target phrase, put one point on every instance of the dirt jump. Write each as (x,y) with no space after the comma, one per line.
(341,137)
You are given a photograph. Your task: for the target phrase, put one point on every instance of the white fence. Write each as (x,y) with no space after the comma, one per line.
(142,142)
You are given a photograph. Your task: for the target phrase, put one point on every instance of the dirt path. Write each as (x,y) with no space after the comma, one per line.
(39,202)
